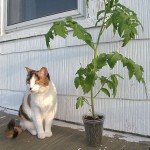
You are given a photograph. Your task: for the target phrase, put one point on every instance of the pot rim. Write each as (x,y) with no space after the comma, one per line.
(101,119)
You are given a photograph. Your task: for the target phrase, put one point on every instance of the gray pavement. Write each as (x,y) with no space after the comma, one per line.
(62,139)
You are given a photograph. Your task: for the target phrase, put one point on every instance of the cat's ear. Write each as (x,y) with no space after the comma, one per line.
(43,71)
(28,69)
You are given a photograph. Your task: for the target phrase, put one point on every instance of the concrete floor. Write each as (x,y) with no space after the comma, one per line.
(62,139)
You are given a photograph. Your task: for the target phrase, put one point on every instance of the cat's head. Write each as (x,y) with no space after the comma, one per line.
(38,80)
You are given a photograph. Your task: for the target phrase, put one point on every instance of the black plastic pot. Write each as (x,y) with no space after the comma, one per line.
(93,130)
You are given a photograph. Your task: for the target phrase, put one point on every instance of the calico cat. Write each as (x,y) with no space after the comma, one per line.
(38,107)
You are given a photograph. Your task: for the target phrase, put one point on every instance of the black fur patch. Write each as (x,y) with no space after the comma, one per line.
(11,124)
(29,76)
(22,113)
(48,76)
(15,134)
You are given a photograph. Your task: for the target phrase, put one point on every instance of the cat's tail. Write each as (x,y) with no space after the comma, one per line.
(12,130)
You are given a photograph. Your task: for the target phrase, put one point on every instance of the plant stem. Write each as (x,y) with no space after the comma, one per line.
(86,101)
(92,104)
(100,33)
(97,93)
(95,56)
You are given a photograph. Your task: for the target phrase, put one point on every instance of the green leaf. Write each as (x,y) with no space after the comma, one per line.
(89,81)
(116,1)
(113,58)
(48,36)
(103,80)
(130,67)
(77,82)
(81,71)
(124,21)
(80,102)
(104,90)
(124,61)
(100,61)
(114,79)
(86,87)
(99,13)
(108,23)
(91,77)
(115,83)
(133,69)
(60,28)
(69,19)
(121,27)
(86,78)
(82,34)
(138,72)
(90,67)
(109,5)
(112,84)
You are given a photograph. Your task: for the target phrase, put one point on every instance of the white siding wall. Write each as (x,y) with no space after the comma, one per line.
(129,111)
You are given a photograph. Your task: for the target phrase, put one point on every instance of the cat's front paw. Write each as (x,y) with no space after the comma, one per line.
(48,134)
(41,135)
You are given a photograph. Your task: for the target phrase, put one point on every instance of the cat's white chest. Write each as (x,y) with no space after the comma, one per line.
(44,103)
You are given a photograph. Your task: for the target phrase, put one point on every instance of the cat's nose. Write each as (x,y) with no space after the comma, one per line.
(30,89)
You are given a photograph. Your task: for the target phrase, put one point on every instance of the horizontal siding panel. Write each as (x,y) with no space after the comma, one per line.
(63,64)
(121,115)
(22,45)
(38,43)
